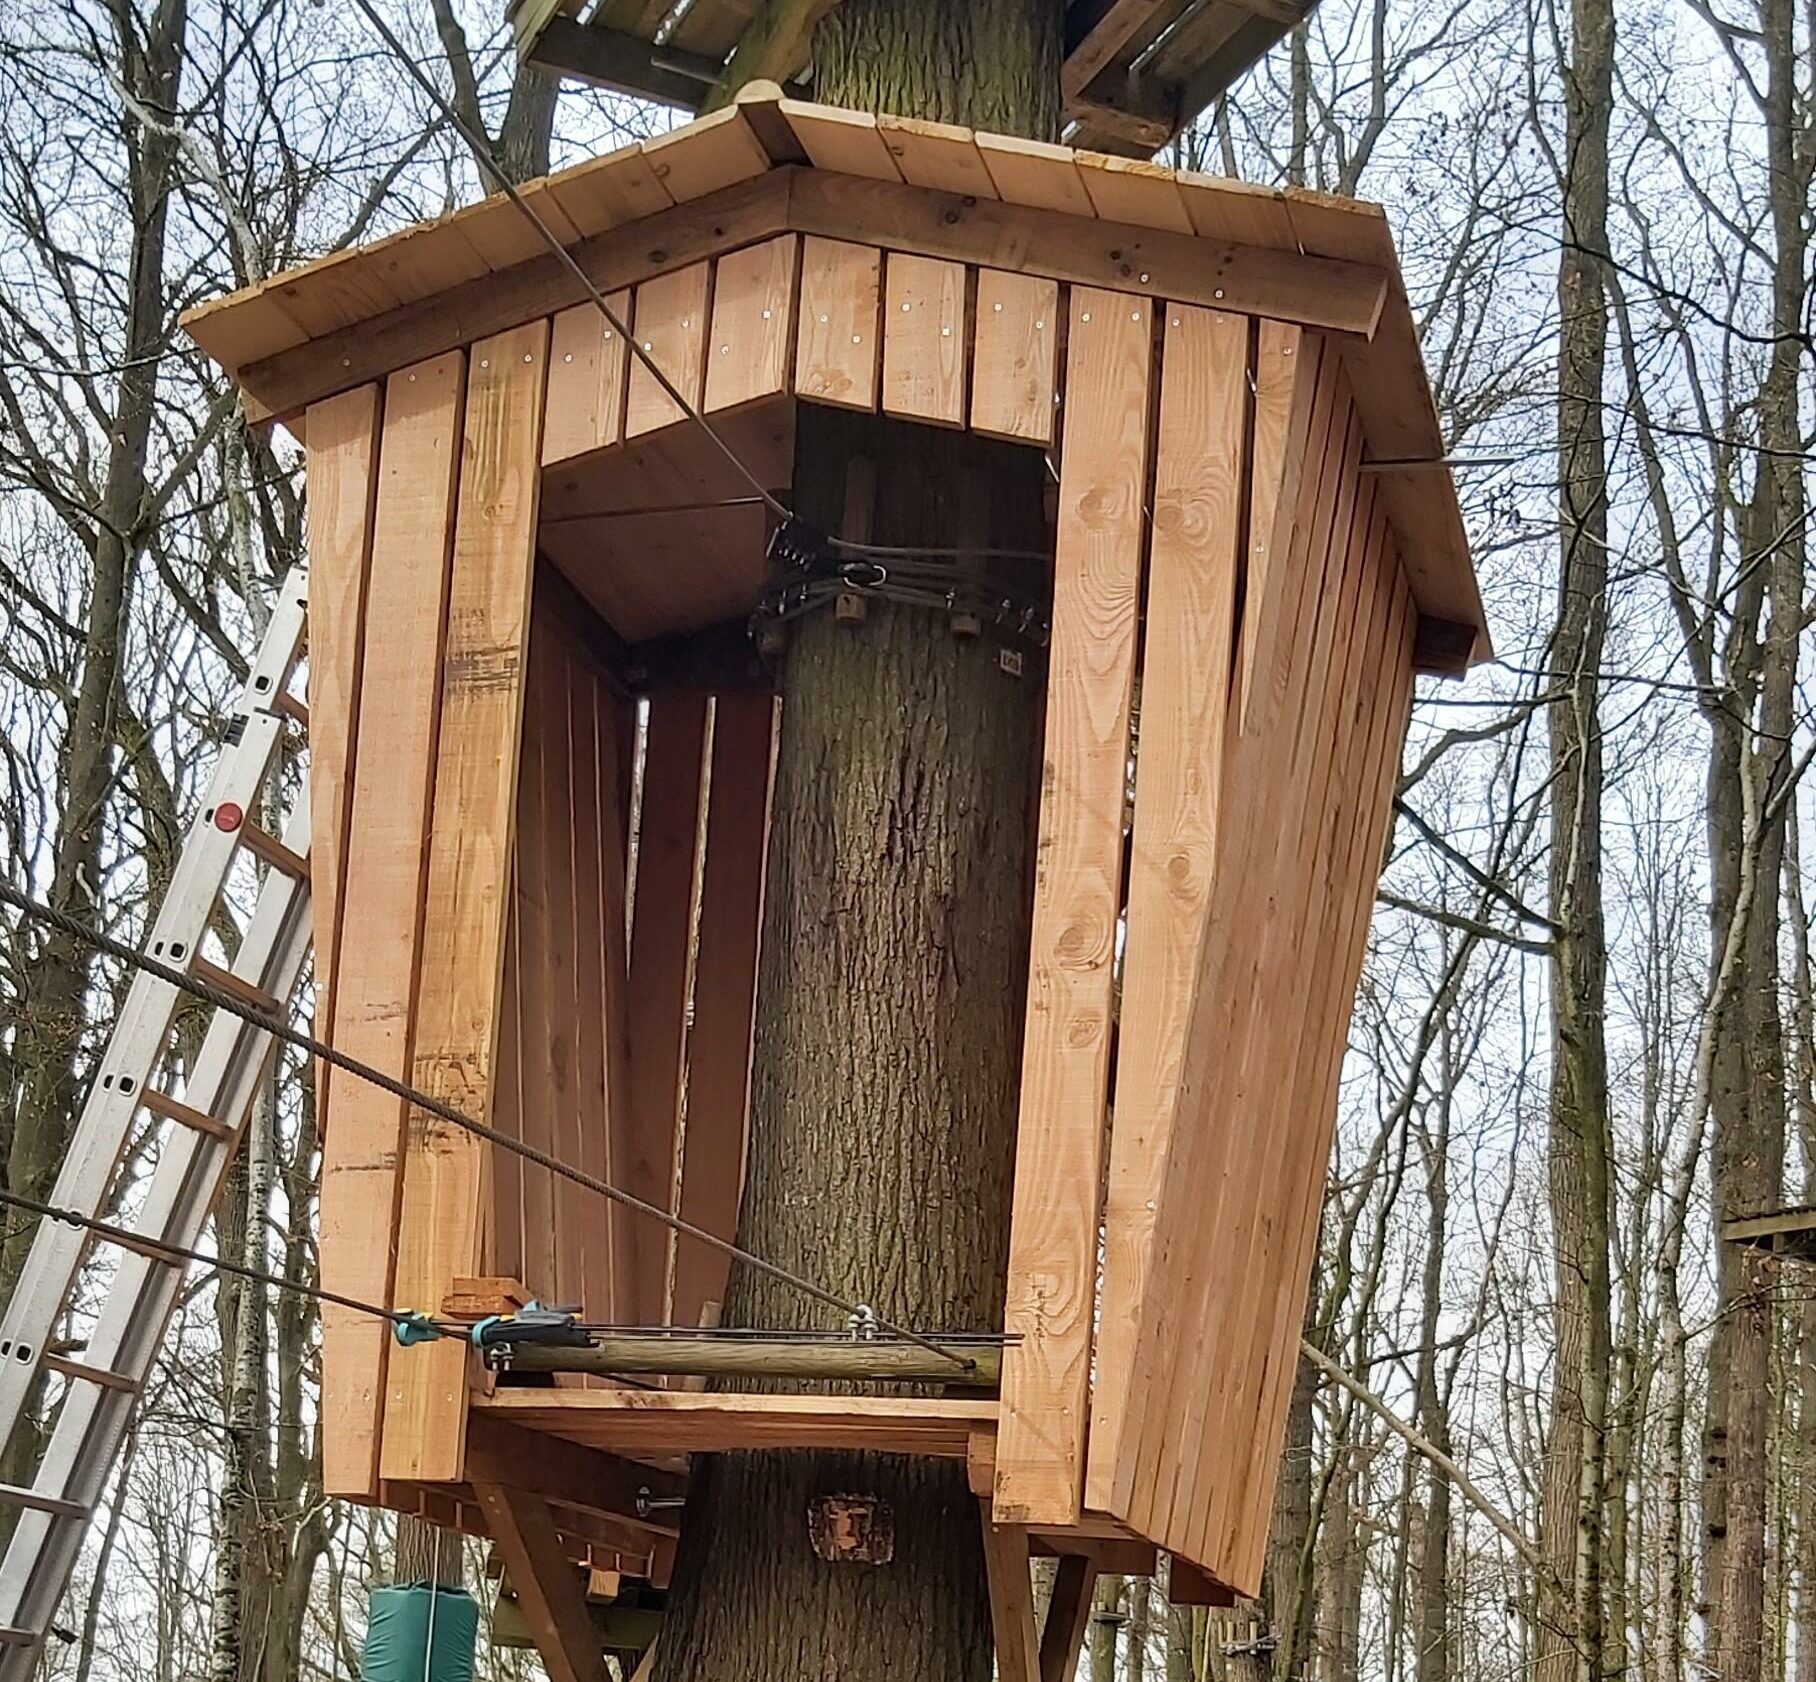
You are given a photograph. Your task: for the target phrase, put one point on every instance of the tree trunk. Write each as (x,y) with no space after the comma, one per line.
(1574,1493)
(1747,776)
(893,968)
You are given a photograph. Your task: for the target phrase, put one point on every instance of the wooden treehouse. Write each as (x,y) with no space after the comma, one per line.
(546,912)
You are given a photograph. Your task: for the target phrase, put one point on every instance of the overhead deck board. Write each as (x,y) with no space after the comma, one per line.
(1105,40)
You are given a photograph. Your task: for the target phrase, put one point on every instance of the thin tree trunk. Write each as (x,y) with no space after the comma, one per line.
(893,968)
(1574,1492)
(1747,1090)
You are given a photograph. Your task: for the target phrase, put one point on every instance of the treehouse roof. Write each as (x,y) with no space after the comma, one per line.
(769,165)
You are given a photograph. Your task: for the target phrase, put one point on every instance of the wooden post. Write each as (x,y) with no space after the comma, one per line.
(1011,1600)
(1068,1616)
(547,1583)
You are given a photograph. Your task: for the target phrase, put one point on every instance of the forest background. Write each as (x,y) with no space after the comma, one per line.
(1548,1424)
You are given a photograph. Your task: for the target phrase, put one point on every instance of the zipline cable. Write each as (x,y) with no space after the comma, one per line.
(126,1238)
(49,916)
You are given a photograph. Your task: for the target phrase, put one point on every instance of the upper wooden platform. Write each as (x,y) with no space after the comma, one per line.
(769,164)
(1135,73)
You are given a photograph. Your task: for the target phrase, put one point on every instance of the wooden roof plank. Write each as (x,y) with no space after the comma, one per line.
(940,156)
(847,141)
(1127,190)
(717,151)
(1034,173)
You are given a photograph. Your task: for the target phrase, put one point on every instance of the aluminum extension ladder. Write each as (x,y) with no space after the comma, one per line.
(103,1387)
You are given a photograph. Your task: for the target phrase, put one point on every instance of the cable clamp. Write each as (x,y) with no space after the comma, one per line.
(862,1323)
(414,1328)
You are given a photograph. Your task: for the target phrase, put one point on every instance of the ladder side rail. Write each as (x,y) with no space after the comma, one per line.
(94,1419)
(137,1042)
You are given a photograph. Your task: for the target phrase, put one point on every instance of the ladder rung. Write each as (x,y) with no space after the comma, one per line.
(292,708)
(149,1248)
(90,1375)
(15,1495)
(184,1115)
(12,1636)
(264,845)
(227,982)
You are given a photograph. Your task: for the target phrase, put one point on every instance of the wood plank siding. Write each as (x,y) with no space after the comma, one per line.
(542,768)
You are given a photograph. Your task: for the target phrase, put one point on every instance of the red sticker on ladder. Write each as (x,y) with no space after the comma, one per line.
(228,816)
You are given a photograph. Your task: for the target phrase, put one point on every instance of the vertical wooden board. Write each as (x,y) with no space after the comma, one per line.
(1223,1006)
(538,824)
(1239,1000)
(342,464)
(837,341)
(1077,901)
(614,742)
(394,766)
(1245,1281)
(446,1171)
(1351,837)
(1015,356)
(753,313)
(669,320)
(924,340)
(725,991)
(1252,1399)
(589,839)
(504,1250)
(662,918)
(575,1208)
(1178,785)
(1286,370)
(588,362)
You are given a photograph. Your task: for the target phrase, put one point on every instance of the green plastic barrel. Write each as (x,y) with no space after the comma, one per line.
(400,1619)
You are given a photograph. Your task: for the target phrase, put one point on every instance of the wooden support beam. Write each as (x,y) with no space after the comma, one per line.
(1346,297)
(1011,1600)
(1068,1617)
(611,58)
(570,1474)
(547,1583)
(281,385)
(644,1422)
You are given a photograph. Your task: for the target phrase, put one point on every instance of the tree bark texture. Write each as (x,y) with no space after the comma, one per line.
(1574,1483)
(893,968)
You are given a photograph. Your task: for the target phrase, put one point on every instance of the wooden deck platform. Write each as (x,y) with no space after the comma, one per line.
(1136,72)
(1789,1232)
